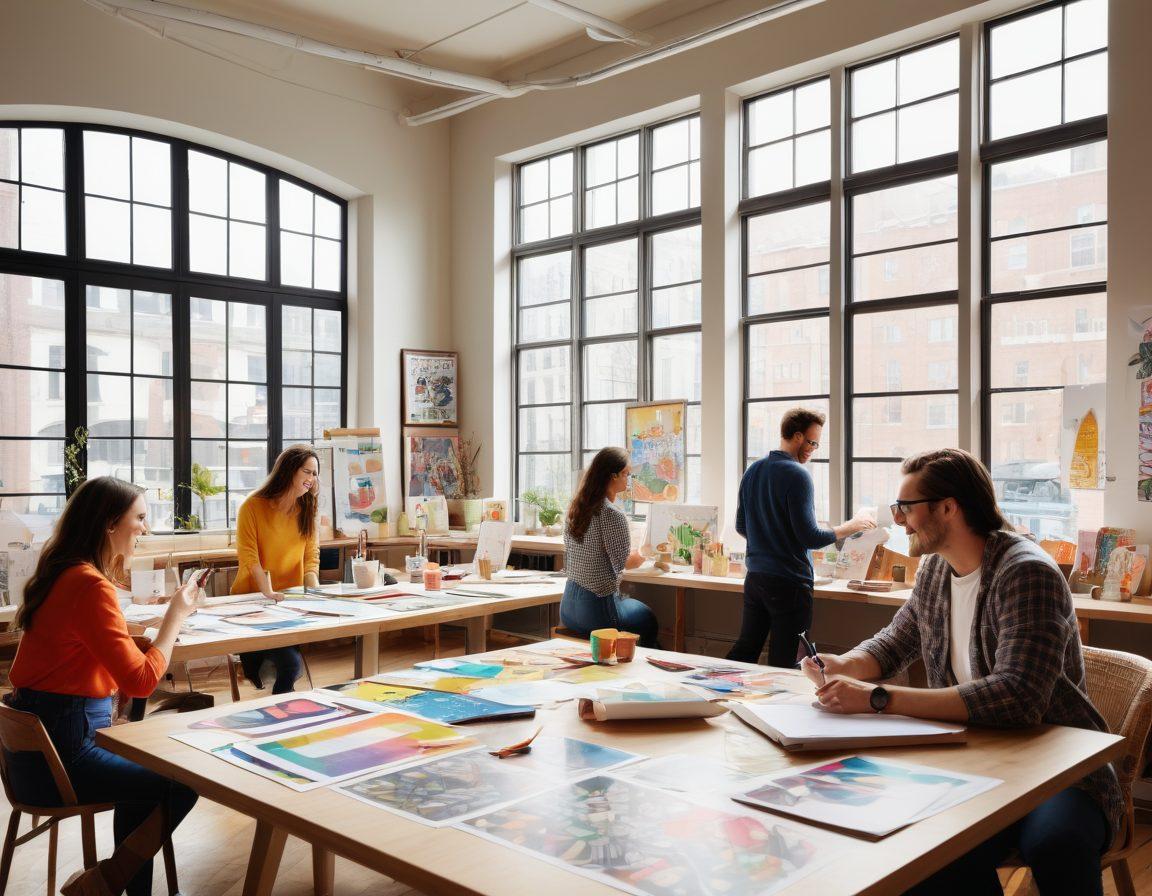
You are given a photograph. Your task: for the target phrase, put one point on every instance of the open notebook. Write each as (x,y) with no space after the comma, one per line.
(799,726)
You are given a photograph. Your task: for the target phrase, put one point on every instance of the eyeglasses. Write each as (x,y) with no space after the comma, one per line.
(815,446)
(900,508)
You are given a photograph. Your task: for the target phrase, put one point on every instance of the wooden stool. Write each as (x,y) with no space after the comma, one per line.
(559,631)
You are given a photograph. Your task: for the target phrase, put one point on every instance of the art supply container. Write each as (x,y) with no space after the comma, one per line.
(414,566)
(433,576)
(484,568)
(898,573)
(626,646)
(365,573)
(603,644)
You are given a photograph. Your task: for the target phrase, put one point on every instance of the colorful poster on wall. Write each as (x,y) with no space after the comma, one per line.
(431,465)
(358,486)
(657,449)
(431,385)
(682,527)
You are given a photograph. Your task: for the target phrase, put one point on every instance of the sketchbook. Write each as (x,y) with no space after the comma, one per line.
(797,727)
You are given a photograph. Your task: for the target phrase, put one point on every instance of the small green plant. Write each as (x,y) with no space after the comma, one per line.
(548,508)
(73,454)
(203,486)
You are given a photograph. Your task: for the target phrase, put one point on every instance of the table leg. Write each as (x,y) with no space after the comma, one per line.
(679,624)
(1082,624)
(367,659)
(476,634)
(323,871)
(264,862)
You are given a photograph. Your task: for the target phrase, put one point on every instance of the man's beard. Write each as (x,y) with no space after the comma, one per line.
(914,548)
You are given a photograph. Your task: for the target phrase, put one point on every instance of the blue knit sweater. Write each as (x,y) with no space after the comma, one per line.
(776,513)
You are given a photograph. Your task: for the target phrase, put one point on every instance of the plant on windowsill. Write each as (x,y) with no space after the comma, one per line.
(203,486)
(547,509)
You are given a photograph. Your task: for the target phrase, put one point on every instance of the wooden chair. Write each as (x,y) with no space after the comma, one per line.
(1120,687)
(559,631)
(24,732)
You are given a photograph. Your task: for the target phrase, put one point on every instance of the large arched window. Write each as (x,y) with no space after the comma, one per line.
(182,307)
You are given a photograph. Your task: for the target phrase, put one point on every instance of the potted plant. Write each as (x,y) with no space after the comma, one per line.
(468,482)
(203,486)
(545,508)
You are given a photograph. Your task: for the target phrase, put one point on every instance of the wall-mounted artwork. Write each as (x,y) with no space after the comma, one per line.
(358,486)
(431,466)
(682,526)
(428,513)
(431,385)
(657,449)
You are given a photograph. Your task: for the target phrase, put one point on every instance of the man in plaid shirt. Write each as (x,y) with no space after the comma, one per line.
(992,619)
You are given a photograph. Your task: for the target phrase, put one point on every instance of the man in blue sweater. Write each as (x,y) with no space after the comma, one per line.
(776,513)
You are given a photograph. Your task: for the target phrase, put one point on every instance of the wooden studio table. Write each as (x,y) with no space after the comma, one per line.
(1034,764)
(1139,610)
(366,629)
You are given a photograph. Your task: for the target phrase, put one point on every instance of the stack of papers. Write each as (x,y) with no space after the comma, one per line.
(801,726)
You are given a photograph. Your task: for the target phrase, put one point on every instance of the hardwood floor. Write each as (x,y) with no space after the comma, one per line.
(213,842)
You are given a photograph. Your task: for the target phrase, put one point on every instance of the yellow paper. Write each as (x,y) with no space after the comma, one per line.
(1084,471)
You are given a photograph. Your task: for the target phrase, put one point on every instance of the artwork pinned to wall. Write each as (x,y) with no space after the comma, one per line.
(358,486)
(1140,324)
(1082,436)
(1144,447)
(657,449)
(431,385)
(431,464)
(429,513)
(682,526)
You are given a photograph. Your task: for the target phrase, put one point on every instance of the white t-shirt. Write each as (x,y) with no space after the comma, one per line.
(964,592)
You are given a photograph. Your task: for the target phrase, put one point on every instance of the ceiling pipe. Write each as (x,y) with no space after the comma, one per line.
(487,89)
(597,27)
(402,67)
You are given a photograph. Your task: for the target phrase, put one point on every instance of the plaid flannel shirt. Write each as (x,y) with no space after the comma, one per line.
(1027,662)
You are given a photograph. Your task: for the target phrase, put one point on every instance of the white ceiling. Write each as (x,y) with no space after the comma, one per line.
(502,40)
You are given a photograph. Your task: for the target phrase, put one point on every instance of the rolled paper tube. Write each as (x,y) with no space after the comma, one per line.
(626,646)
(603,644)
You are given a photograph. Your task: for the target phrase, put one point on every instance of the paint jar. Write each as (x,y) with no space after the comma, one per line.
(433,576)
(603,644)
(484,568)
(719,565)
(898,573)
(365,573)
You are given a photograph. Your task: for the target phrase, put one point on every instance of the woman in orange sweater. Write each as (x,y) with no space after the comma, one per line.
(276,547)
(75,651)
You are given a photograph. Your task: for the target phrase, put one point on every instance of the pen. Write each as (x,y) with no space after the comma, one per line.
(810,649)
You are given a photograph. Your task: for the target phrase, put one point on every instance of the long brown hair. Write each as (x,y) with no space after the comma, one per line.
(80,536)
(954,473)
(291,459)
(589,499)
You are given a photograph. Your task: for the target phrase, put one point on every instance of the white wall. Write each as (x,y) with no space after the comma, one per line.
(487,140)
(332,124)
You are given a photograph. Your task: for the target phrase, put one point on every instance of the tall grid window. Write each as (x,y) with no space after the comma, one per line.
(1045,260)
(787,231)
(127,199)
(130,410)
(32,189)
(33,378)
(171,333)
(901,262)
(607,297)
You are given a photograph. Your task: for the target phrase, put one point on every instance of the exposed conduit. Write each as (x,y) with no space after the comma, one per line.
(487,89)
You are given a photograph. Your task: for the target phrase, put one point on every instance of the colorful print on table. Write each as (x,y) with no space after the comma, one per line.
(682,526)
(657,450)
(431,464)
(287,715)
(430,381)
(644,840)
(334,752)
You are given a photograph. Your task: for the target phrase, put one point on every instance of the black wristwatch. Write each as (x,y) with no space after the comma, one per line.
(879,698)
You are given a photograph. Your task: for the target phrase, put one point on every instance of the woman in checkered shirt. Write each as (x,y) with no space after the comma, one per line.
(597,551)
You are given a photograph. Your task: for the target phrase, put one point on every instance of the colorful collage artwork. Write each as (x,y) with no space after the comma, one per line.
(657,450)
(455,787)
(451,709)
(752,685)
(645,840)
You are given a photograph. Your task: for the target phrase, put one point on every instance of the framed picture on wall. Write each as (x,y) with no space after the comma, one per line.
(657,449)
(431,385)
(431,462)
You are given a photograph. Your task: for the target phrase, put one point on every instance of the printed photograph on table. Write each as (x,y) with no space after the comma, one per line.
(450,789)
(286,715)
(657,450)
(440,706)
(643,840)
(682,527)
(431,463)
(345,749)
(430,381)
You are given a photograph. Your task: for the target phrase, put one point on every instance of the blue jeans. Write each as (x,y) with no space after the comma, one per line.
(287,661)
(97,775)
(775,610)
(582,611)
(1061,840)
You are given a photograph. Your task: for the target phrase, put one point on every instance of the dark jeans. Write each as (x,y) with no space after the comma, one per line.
(583,611)
(781,608)
(97,775)
(1061,840)
(287,661)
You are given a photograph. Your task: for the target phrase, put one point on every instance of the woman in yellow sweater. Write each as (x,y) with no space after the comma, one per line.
(277,549)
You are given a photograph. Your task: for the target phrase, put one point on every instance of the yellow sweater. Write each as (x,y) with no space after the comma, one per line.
(272,540)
